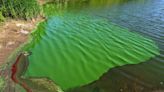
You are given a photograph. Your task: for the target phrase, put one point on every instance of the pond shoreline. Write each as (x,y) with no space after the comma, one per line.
(17,72)
(13,35)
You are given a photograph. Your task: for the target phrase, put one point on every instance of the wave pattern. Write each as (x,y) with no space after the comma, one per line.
(77,49)
(146,19)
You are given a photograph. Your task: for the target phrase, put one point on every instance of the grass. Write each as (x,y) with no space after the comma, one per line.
(1,17)
(25,9)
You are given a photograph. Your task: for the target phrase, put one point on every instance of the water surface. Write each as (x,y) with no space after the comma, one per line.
(75,47)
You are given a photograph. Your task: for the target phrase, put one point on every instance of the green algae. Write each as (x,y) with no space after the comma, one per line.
(74,50)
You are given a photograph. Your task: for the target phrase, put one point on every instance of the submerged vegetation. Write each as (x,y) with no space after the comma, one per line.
(24,9)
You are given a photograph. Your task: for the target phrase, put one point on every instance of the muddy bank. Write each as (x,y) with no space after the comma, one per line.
(13,33)
(30,84)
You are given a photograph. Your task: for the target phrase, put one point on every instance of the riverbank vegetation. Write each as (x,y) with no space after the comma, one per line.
(17,19)
(1,17)
(22,9)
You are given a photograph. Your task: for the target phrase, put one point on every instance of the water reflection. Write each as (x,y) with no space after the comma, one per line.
(88,4)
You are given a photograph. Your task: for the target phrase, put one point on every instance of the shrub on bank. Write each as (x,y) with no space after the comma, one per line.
(1,17)
(25,9)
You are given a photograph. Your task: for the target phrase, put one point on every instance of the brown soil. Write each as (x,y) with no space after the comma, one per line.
(13,33)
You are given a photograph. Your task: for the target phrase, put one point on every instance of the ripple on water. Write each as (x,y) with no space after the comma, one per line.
(76,50)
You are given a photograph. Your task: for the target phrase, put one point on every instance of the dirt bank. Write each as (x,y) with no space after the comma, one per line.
(13,33)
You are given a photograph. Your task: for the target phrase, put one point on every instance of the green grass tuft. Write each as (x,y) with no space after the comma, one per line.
(25,9)
(1,17)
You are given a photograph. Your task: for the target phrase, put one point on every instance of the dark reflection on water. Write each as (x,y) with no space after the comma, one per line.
(72,5)
(147,18)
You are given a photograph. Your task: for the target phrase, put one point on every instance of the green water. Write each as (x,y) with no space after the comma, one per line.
(74,49)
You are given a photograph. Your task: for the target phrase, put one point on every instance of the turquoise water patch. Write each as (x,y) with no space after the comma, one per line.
(74,50)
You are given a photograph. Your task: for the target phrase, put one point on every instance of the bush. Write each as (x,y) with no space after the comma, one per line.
(1,17)
(25,9)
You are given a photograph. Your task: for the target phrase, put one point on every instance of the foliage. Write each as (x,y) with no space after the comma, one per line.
(1,17)
(19,8)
